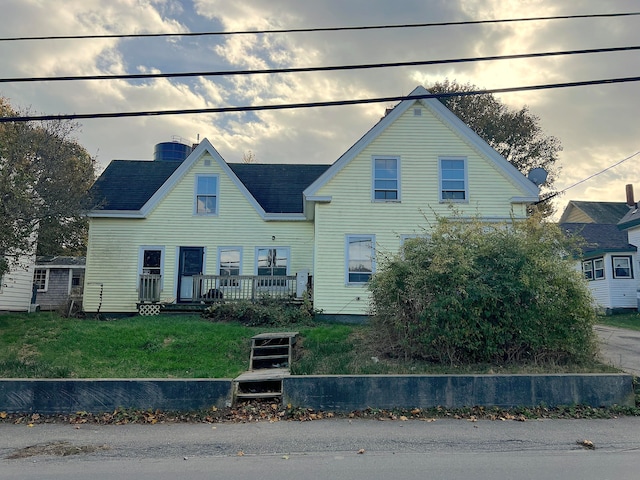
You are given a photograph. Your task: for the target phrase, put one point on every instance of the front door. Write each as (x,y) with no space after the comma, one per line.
(190,264)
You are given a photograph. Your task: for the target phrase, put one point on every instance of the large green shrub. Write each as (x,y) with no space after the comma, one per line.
(474,293)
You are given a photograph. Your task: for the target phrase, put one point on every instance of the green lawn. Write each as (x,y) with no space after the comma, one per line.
(44,345)
(626,320)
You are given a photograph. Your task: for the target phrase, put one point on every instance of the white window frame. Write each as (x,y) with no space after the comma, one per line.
(286,249)
(594,267)
(141,267)
(441,181)
(215,195)
(347,274)
(374,179)
(629,266)
(220,252)
(46,278)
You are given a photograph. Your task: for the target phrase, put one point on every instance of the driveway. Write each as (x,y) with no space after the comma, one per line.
(620,347)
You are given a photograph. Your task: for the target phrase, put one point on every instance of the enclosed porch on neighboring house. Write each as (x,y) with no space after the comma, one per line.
(208,289)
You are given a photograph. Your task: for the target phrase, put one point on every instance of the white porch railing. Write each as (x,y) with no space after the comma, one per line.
(149,288)
(211,288)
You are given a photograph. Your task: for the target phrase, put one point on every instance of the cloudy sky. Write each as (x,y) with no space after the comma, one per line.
(597,125)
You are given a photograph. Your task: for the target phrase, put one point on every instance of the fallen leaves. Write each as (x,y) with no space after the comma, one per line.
(257,411)
(588,444)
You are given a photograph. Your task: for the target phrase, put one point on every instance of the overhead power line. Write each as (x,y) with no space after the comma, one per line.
(318,29)
(588,178)
(290,106)
(318,69)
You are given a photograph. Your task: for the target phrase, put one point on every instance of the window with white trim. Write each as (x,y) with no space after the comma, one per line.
(206,202)
(453,179)
(229,264)
(622,267)
(386,179)
(41,279)
(360,263)
(593,269)
(272,262)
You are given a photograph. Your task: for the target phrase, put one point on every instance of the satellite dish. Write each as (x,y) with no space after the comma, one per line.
(538,176)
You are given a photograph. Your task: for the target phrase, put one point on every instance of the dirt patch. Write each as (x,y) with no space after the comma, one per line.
(58,449)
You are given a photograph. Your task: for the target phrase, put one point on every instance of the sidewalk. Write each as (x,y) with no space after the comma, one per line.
(620,347)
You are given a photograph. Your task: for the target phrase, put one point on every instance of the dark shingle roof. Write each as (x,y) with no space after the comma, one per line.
(277,188)
(600,238)
(59,261)
(129,184)
(603,212)
(631,219)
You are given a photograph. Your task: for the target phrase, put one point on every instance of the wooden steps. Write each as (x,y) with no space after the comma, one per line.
(270,362)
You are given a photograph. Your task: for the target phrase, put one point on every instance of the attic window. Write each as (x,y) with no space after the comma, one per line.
(206,202)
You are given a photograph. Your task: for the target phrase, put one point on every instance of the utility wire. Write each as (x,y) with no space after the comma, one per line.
(318,69)
(588,178)
(319,29)
(290,106)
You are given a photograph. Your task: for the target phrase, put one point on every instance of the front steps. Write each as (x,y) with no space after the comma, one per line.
(270,362)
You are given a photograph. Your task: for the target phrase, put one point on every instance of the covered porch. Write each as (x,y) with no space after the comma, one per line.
(207,289)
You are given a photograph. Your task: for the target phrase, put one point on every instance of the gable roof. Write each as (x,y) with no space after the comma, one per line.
(132,188)
(598,212)
(529,189)
(277,187)
(631,219)
(600,238)
(129,184)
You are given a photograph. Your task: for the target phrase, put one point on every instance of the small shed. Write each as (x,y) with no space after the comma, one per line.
(58,279)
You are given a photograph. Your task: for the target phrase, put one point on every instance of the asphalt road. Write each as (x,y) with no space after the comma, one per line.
(621,348)
(335,448)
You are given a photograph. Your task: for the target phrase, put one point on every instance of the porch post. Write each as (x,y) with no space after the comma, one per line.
(302,278)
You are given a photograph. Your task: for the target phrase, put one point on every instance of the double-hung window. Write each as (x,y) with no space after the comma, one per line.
(622,267)
(593,269)
(272,262)
(453,179)
(229,265)
(386,179)
(206,202)
(360,258)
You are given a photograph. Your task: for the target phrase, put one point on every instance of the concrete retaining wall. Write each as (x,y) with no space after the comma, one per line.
(329,393)
(349,393)
(97,396)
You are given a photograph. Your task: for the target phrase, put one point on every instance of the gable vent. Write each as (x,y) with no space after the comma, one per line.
(417,112)
(207,162)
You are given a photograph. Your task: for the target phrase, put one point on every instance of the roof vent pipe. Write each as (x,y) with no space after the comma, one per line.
(630,200)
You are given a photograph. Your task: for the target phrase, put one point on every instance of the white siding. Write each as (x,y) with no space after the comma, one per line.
(613,293)
(16,287)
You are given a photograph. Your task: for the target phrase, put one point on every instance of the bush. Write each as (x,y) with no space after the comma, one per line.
(478,293)
(265,312)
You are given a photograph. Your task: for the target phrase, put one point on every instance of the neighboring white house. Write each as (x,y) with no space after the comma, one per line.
(609,264)
(16,286)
